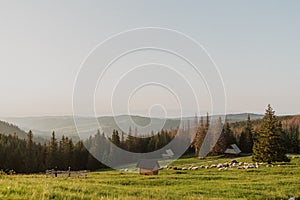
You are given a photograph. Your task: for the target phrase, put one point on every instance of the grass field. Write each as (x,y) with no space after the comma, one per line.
(278,182)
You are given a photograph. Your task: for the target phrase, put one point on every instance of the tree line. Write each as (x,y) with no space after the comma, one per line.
(27,156)
(268,143)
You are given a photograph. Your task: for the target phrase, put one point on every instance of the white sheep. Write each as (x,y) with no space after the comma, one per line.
(213,166)
(219,165)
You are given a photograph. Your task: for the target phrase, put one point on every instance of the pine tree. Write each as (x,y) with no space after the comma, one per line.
(246,138)
(115,138)
(207,123)
(69,152)
(195,125)
(80,156)
(292,138)
(122,140)
(136,141)
(151,144)
(200,135)
(130,141)
(52,152)
(29,161)
(226,138)
(269,143)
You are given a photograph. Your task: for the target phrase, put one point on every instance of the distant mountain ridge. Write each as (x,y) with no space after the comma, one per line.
(10,129)
(242,116)
(64,125)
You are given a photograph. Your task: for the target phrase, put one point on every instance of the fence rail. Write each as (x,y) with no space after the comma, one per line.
(68,173)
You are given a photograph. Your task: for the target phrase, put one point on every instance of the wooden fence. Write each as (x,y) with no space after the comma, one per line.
(68,173)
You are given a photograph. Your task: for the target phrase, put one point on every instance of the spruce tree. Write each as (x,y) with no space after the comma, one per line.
(115,138)
(200,135)
(122,140)
(29,161)
(246,138)
(269,143)
(292,138)
(225,140)
(52,152)
(207,122)
(130,141)
(151,144)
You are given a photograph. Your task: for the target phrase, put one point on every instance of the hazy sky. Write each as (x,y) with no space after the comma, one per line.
(255,44)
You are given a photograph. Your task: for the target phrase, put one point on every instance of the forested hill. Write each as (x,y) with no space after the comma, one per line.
(291,120)
(242,117)
(10,129)
(287,120)
(64,125)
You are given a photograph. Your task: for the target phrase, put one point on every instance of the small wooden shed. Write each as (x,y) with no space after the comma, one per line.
(148,167)
(232,151)
(169,154)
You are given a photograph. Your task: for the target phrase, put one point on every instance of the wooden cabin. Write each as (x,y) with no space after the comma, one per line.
(232,151)
(148,167)
(169,154)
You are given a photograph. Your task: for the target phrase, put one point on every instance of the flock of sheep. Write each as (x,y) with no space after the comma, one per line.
(222,166)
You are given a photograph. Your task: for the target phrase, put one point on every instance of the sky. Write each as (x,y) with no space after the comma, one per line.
(255,45)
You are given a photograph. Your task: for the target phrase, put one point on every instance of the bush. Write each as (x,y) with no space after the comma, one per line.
(2,173)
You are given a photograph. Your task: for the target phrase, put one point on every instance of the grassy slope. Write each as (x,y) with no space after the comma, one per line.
(263,183)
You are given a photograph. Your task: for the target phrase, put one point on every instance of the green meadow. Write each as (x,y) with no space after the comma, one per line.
(282,181)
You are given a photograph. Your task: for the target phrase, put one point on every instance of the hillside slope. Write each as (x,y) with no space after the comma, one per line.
(64,125)
(285,120)
(9,129)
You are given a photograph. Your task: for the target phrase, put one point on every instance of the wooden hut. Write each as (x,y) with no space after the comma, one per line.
(169,154)
(148,167)
(232,151)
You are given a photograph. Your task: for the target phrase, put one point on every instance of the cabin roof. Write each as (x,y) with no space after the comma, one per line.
(233,149)
(149,164)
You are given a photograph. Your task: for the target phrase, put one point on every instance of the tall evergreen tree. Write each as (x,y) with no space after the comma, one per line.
(226,138)
(80,156)
(116,138)
(29,158)
(52,160)
(200,135)
(151,144)
(130,141)
(246,138)
(292,138)
(122,140)
(269,143)
(207,123)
